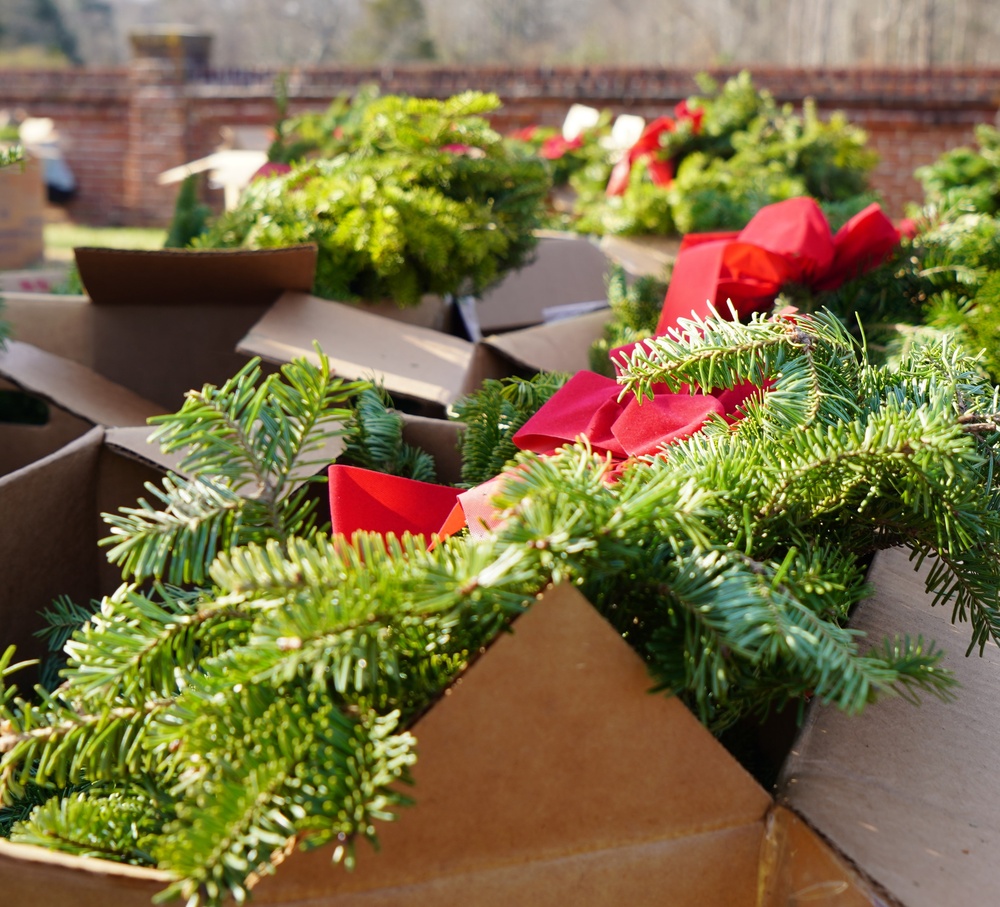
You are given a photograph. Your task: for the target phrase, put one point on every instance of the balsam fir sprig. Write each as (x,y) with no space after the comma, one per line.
(268,709)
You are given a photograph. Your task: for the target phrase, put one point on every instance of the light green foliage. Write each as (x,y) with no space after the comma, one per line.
(325,133)
(967,178)
(268,709)
(748,153)
(424,198)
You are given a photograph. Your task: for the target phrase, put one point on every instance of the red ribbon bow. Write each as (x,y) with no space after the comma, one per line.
(788,242)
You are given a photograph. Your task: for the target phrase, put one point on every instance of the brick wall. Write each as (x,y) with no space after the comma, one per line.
(121,127)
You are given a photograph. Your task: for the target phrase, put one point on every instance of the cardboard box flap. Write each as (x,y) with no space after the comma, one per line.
(550,761)
(202,277)
(799,868)
(47,506)
(73,387)
(909,794)
(642,255)
(567,268)
(562,346)
(409,360)
(35,875)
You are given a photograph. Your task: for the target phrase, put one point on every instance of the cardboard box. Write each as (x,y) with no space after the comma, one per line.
(546,775)
(76,399)
(92,457)
(909,794)
(161,322)
(55,481)
(568,270)
(412,362)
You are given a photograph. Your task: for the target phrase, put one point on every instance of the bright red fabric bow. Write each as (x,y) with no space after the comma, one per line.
(788,242)
(588,405)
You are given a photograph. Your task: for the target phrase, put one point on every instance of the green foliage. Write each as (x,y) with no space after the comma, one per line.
(11,154)
(374,440)
(635,311)
(190,216)
(966,177)
(424,198)
(323,134)
(268,709)
(252,450)
(492,416)
(932,285)
(748,152)
(120,826)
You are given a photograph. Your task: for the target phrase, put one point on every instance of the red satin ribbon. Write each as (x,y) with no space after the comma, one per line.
(362,500)
(788,242)
(588,405)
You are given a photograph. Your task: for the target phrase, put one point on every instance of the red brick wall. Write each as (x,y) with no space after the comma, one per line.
(121,127)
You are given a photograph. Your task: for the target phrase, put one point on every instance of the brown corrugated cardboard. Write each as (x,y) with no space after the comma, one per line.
(73,387)
(547,775)
(410,361)
(909,794)
(182,277)
(567,268)
(550,775)
(650,256)
(56,479)
(161,323)
(49,533)
(75,398)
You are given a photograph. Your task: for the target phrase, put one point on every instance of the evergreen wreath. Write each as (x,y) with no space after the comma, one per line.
(424,198)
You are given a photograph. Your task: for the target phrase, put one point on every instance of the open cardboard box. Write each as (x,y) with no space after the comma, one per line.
(413,362)
(548,774)
(568,271)
(56,478)
(160,322)
(93,456)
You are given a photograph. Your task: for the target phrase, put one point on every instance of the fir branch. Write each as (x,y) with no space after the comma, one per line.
(248,444)
(252,809)
(176,540)
(493,415)
(373,439)
(806,358)
(120,825)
